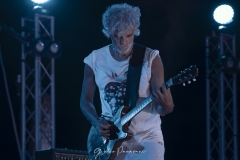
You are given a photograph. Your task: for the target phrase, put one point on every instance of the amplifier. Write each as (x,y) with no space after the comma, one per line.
(61,154)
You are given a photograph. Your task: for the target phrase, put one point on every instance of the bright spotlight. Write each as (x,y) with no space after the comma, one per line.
(40,6)
(223,14)
(39,1)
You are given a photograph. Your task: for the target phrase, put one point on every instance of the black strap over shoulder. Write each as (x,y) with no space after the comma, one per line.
(134,74)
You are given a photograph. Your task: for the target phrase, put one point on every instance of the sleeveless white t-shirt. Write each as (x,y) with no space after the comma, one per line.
(111,76)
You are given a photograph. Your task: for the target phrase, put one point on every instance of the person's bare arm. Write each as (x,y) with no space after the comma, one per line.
(163,100)
(86,103)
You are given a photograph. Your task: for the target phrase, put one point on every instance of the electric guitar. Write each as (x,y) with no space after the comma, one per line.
(100,148)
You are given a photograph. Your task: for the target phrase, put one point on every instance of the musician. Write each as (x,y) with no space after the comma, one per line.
(107,67)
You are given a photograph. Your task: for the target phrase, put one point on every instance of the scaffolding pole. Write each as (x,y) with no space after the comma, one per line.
(38,89)
(221,100)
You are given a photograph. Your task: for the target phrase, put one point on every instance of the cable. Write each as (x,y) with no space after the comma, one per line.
(13,33)
(10,104)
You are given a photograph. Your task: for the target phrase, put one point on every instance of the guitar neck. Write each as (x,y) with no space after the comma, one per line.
(134,111)
(127,117)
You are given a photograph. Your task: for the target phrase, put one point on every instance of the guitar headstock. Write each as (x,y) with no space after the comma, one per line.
(186,75)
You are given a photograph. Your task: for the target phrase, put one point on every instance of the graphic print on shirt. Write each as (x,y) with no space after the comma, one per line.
(115,92)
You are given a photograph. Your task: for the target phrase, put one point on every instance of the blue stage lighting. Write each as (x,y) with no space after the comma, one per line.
(223,14)
(40,6)
(39,1)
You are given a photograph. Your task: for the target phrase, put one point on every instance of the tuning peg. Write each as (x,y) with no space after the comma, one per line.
(194,79)
(184,84)
(189,82)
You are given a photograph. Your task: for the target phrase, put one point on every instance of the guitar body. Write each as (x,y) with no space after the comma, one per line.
(101,149)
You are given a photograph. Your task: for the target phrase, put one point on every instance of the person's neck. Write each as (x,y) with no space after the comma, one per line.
(120,56)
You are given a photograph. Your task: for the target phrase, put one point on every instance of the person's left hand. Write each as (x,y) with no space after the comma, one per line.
(163,97)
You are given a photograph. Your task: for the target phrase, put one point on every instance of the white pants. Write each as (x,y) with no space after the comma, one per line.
(148,149)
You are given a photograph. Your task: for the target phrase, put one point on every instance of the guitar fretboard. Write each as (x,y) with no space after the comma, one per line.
(127,117)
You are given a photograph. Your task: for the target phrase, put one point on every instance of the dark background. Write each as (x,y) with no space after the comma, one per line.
(177,28)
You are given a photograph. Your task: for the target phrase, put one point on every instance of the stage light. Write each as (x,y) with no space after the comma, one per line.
(45,48)
(223,14)
(39,1)
(40,6)
(55,49)
(229,64)
(40,9)
(39,46)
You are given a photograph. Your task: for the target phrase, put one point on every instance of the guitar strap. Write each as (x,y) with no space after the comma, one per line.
(133,76)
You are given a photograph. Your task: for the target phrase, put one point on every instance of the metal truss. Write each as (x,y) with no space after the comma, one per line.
(38,89)
(221,100)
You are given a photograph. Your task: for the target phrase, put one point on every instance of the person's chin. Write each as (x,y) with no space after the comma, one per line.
(124,50)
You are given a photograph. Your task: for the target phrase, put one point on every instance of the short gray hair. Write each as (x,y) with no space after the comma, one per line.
(121,17)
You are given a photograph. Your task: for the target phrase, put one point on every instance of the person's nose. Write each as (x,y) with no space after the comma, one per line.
(122,41)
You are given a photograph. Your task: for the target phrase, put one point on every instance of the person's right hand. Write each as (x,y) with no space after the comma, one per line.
(103,128)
